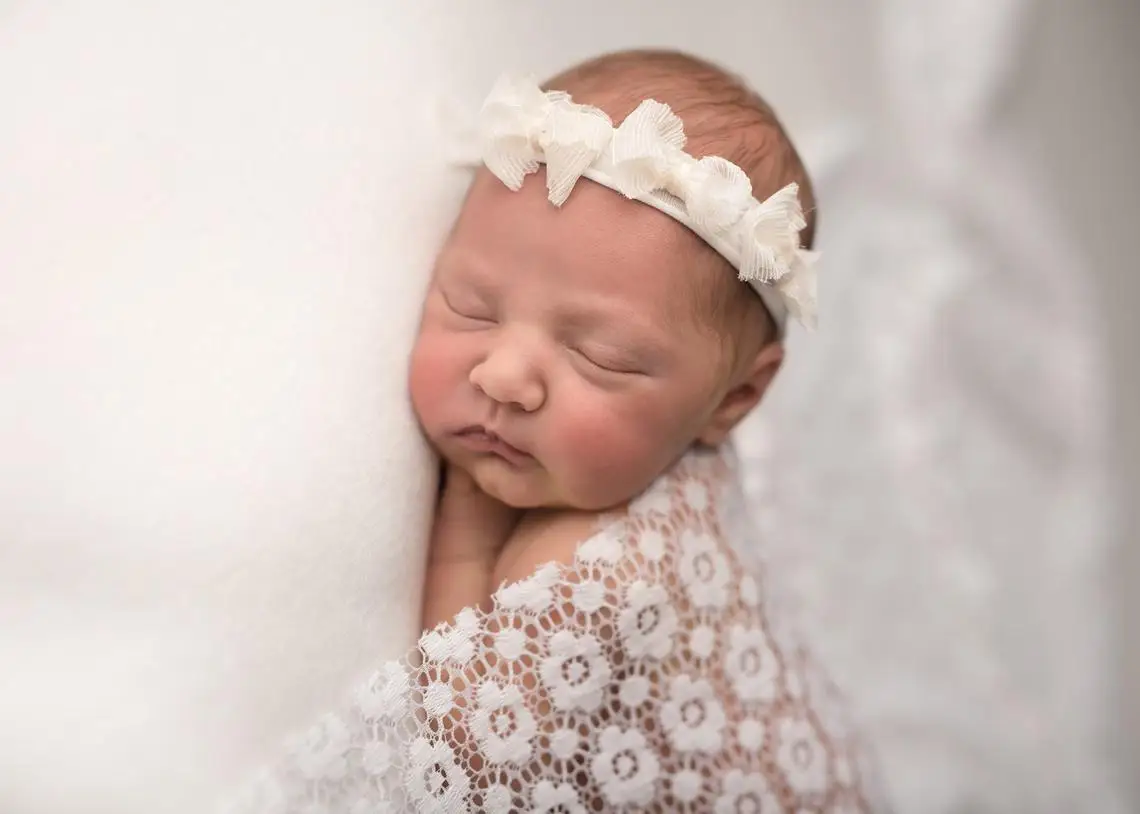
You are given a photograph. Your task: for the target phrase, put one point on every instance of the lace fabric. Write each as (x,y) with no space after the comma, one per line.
(649,675)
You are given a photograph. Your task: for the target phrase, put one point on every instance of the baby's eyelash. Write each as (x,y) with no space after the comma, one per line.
(472,316)
(618,369)
(465,314)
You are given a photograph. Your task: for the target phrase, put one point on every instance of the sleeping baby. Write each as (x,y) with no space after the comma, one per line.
(610,303)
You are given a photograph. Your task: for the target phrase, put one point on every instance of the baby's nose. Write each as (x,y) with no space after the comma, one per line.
(509,377)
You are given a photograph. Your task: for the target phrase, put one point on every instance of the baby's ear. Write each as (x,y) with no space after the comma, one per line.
(744,394)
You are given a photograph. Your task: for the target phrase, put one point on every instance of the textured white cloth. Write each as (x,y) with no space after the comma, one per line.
(655,673)
(212,489)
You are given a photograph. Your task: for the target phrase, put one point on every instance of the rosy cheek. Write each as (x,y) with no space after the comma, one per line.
(434,373)
(606,444)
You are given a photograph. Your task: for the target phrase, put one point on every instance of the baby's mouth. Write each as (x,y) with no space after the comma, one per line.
(480,439)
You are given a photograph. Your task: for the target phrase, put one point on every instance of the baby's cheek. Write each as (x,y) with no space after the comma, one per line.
(605,448)
(431,378)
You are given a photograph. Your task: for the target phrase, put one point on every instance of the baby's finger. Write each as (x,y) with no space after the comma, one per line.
(458,483)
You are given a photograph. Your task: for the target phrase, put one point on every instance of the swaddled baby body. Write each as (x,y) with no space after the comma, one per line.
(608,306)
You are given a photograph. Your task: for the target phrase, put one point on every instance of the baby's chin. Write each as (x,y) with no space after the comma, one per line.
(527,489)
(535,492)
(531,485)
(517,488)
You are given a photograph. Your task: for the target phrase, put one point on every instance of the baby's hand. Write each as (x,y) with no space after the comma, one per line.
(470,530)
(470,525)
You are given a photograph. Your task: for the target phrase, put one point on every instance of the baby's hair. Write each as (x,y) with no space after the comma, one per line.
(722,116)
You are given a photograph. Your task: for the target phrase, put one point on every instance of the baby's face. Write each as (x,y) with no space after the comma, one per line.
(559,358)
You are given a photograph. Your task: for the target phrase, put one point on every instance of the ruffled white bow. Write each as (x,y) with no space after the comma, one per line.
(523,127)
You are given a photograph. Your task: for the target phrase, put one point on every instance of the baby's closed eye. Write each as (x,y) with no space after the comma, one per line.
(610,360)
(468,307)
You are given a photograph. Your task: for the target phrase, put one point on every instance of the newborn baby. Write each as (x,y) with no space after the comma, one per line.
(568,356)
(572,355)
(609,305)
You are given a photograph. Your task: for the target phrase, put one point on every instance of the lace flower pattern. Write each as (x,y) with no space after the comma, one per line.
(693,716)
(646,676)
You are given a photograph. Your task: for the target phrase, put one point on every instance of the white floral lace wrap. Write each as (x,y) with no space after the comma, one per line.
(650,675)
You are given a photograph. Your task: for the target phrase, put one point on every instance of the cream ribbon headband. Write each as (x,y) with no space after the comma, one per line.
(521,127)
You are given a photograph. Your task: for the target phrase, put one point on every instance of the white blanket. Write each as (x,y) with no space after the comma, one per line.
(216,219)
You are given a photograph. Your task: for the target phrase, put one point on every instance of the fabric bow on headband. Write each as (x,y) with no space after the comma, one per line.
(523,127)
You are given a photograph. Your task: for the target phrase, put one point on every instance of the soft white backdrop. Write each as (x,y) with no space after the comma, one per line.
(934,468)
(215,222)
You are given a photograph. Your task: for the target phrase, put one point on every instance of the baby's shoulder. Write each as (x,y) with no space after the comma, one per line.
(544,537)
(692,497)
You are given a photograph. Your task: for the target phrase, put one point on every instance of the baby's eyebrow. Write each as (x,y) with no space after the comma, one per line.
(462,281)
(628,334)
(464,267)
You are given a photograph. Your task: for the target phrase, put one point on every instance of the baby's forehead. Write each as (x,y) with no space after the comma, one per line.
(596,239)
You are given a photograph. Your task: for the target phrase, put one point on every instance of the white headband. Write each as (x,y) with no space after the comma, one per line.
(521,126)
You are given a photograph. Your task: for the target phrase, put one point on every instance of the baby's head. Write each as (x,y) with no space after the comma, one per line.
(568,355)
